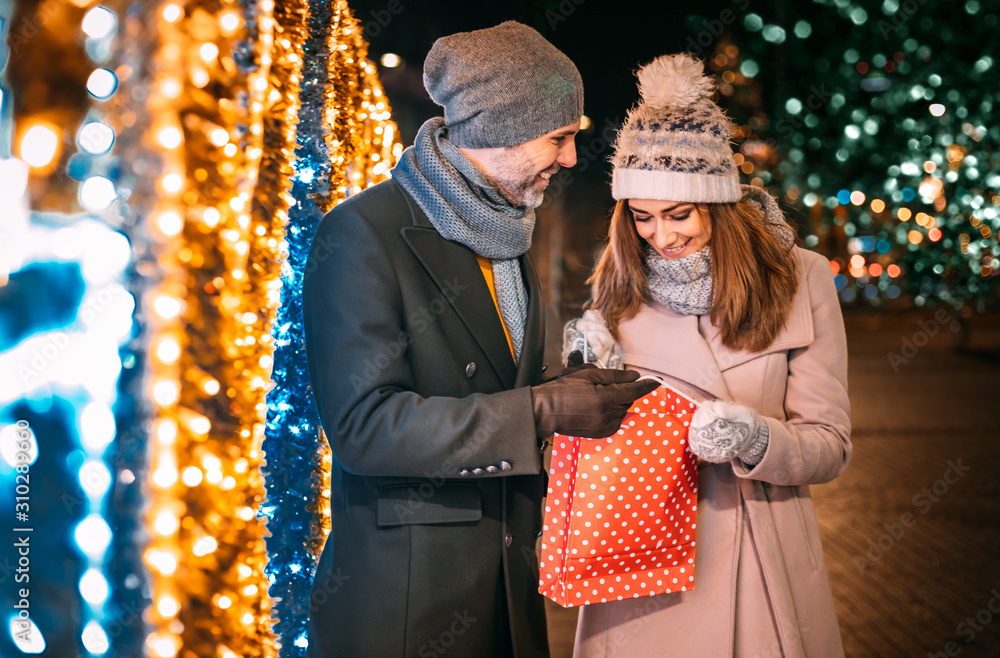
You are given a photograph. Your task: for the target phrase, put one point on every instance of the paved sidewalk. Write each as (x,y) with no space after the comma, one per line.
(911,531)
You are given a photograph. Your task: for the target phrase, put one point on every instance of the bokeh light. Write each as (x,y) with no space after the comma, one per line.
(99,22)
(40,145)
(102,84)
(96,137)
(97,193)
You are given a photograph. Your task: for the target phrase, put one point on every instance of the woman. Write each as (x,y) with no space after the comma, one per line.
(702,285)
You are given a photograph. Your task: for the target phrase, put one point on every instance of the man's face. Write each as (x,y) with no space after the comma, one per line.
(521,172)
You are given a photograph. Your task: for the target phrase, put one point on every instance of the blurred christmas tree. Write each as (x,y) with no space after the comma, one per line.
(873,120)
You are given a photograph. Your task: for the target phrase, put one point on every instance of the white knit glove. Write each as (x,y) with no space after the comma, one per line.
(721,431)
(589,335)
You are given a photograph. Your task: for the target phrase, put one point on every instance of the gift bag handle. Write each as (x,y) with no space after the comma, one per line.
(663,382)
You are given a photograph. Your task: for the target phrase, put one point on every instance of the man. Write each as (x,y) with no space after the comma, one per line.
(424,334)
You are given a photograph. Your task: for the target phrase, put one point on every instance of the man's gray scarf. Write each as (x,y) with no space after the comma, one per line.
(685,284)
(464,206)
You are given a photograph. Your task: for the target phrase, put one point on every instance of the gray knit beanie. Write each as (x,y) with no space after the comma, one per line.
(502,86)
(674,145)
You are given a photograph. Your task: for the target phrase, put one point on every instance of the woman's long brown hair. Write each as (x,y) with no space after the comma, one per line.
(753,276)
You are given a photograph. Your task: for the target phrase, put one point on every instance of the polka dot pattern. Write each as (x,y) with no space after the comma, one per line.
(620,512)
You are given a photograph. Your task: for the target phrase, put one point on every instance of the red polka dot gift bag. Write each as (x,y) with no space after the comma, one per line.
(620,511)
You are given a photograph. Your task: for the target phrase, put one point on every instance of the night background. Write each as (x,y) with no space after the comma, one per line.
(163,166)
(833,99)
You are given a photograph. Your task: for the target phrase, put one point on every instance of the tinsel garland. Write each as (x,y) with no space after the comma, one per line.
(363,140)
(269,211)
(291,436)
(337,135)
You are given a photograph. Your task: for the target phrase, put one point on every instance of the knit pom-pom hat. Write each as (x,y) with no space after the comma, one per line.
(674,145)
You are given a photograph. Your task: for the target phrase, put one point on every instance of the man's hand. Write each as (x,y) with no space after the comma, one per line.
(574,360)
(586,401)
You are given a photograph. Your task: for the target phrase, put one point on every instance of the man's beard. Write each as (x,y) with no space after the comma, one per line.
(514,177)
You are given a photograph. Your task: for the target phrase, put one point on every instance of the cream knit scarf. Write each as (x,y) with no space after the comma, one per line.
(685,284)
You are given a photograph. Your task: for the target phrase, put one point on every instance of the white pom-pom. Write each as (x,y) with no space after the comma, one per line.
(673,81)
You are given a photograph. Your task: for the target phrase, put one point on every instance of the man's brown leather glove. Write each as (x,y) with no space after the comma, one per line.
(587,401)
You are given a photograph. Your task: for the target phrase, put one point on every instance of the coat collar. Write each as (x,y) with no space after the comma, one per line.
(689,348)
(665,341)
(445,260)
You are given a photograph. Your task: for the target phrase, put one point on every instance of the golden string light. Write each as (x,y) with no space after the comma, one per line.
(210,346)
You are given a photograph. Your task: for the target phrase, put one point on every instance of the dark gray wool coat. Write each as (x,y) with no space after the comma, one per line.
(436,484)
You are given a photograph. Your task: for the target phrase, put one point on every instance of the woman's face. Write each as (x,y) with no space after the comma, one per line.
(675,229)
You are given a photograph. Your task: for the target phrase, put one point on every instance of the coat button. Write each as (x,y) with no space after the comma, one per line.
(505,465)
(545,367)
(492,469)
(465,472)
(470,369)
(508,540)
(478,471)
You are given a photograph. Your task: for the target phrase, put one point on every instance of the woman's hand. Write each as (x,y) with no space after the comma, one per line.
(721,431)
(590,336)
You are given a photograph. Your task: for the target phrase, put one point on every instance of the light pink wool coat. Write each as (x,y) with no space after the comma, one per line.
(761,588)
